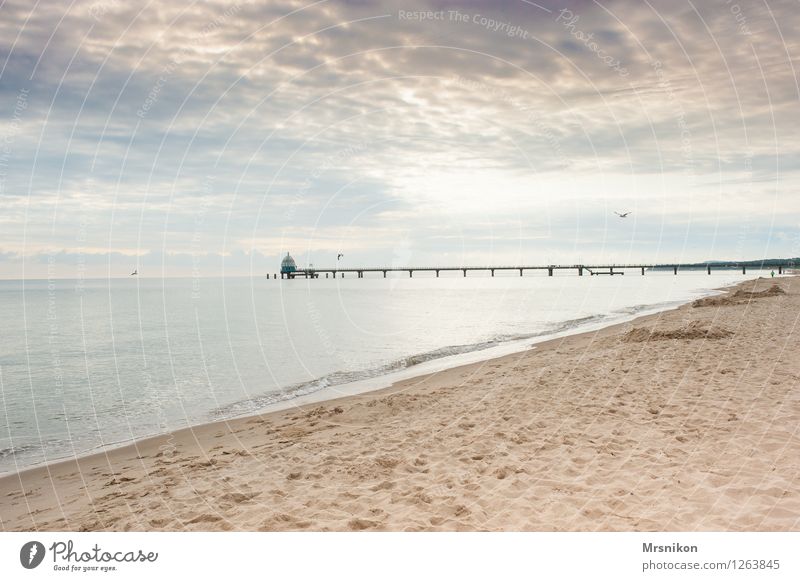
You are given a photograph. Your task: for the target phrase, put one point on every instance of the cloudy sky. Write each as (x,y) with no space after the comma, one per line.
(214,136)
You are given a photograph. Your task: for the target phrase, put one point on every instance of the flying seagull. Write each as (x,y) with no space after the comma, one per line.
(339,257)
(624,215)
(135,272)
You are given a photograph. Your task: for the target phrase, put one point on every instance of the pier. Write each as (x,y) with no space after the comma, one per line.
(580,269)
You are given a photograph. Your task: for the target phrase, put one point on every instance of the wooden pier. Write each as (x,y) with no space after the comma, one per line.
(592,269)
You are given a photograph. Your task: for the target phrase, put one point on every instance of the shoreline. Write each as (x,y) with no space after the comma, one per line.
(388,380)
(38,497)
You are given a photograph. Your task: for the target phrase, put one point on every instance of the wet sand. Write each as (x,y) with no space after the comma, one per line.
(685,420)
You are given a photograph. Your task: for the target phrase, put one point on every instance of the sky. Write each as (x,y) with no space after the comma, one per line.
(210,138)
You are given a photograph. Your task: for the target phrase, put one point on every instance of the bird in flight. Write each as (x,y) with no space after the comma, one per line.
(339,257)
(623,215)
(135,272)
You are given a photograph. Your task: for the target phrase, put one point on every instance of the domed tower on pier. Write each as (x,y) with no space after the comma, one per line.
(288,265)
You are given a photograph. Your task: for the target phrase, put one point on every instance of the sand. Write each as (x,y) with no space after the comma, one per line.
(686,420)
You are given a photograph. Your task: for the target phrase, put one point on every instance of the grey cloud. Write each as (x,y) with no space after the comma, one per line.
(157,101)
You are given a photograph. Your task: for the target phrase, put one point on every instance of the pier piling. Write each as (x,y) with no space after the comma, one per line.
(604,269)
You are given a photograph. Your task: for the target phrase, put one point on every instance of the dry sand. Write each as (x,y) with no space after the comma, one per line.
(687,420)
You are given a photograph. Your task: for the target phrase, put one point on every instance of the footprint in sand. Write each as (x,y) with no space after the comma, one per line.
(205,518)
(240,497)
(360,524)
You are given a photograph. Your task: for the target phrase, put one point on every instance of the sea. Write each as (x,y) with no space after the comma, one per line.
(92,364)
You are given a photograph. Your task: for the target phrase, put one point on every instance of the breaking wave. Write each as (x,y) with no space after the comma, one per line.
(257,403)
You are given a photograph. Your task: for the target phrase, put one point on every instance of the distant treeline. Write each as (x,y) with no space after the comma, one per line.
(733,264)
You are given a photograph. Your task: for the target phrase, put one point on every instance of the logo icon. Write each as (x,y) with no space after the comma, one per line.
(31,554)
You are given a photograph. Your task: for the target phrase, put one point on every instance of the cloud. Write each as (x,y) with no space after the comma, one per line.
(163,127)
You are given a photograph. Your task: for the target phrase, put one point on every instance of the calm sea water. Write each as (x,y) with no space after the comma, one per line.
(101,362)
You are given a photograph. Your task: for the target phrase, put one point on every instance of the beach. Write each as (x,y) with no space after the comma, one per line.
(683,420)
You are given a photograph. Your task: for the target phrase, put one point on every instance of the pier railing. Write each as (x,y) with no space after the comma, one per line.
(592,269)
